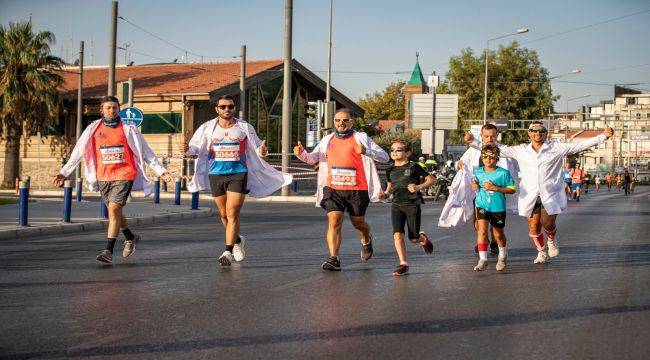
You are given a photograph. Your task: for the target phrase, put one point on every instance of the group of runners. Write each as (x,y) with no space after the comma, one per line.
(229,161)
(576,179)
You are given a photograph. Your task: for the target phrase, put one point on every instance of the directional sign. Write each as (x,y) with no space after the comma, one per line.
(132,115)
(421,106)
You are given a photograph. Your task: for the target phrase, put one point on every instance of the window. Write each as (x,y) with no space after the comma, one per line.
(162,123)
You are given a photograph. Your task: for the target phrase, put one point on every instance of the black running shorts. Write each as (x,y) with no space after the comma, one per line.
(537,209)
(496,219)
(219,184)
(355,202)
(409,214)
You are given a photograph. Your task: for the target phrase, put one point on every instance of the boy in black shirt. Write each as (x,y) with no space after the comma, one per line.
(404,182)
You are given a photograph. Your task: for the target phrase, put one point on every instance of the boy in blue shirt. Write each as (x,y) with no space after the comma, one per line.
(491,184)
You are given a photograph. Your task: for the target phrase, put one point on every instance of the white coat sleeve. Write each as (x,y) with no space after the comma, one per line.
(572,148)
(196,142)
(376,153)
(77,153)
(254,139)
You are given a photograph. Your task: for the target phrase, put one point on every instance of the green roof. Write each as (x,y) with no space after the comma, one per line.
(416,75)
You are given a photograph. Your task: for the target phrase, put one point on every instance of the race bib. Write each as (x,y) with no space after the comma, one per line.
(226,151)
(341,176)
(112,154)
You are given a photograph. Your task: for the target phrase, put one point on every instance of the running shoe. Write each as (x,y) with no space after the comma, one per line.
(332,264)
(541,258)
(105,256)
(553,249)
(129,246)
(238,250)
(403,269)
(426,244)
(226,258)
(501,264)
(366,250)
(482,265)
(494,248)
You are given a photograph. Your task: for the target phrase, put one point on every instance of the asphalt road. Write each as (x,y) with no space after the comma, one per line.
(172,300)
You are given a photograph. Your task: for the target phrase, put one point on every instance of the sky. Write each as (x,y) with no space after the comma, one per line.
(378,38)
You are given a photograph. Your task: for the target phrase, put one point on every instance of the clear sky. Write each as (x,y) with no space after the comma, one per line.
(369,36)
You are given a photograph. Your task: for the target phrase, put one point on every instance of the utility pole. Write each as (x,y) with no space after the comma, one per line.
(286,94)
(130,92)
(80,100)
(112,49)
(329,59)
(243,113)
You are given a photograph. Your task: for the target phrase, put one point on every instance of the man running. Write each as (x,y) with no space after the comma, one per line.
(586,182)
(347,181)
(627,182)
(608,180)
(566,174)
(542,196)
(473,159)
(115,156)
(597,181)
(228,162)
(577,177)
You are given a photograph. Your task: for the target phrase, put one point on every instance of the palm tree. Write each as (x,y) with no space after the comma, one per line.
(29,100)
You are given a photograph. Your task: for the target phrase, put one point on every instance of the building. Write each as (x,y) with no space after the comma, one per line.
(176,99)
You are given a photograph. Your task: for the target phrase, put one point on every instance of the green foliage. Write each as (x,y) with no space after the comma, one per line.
(385,105)
(363,126)
(411,136)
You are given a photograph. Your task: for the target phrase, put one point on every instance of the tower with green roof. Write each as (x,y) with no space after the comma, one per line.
(415,85)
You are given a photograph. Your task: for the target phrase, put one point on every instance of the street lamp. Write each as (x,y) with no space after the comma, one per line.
(574,71)
(487,50)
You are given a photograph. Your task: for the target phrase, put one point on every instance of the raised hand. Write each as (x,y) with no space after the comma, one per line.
(359,148)
(609,132)
(298,149)
(263,150)
(468,138)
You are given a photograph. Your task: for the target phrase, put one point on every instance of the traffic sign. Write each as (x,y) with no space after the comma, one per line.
(132,115)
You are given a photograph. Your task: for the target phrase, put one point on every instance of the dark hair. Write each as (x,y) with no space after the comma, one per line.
(491,148)
(407,145)
(345,110)
(109,98)
(489,126)
(224,97)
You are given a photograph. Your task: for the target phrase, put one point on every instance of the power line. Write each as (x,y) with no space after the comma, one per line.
(143,54)
(616,68)
(585,26)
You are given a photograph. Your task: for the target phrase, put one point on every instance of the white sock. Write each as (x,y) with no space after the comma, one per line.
(482,255)
(403,263)
(503,252)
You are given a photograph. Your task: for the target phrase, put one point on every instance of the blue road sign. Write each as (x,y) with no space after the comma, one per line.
(132,115)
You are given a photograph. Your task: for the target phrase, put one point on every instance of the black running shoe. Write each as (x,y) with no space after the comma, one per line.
(366,251)
(494,248)
(332,264)
(403,269)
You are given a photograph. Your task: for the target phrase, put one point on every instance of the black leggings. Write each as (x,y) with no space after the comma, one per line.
(406,215)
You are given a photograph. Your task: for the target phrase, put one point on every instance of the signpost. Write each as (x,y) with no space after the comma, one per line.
(421,111)
(132,115)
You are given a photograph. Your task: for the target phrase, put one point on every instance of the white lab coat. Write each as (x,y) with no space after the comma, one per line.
(85,149)
(263,179)
(471,158)
(373,153)
(541,172)
(459,207)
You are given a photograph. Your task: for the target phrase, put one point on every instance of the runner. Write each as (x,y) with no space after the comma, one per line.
(347,181)
(627,182)
(633,183)
(619,181)
(597,181)
(491,184)
(577,178)
(404,184)
(566,174)
(586,182)
(229,162)
(115,155)
(608,180)
(472,158)
(542,197)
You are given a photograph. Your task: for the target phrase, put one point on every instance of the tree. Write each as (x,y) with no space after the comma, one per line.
(29,100)
(386,105)
(518,86)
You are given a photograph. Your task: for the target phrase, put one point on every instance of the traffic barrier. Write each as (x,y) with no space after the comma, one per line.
(177,192)
(103,209)
(23,201)
(156,190)
(195,200)
(79,189)
(67,201)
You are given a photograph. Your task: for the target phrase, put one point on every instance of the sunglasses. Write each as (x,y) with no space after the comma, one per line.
(397,150)
(342,120)
(224,107)
(488,156)
(539,131)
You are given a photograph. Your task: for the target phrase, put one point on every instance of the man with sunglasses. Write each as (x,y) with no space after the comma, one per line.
(543,197)
(347,181)
(229,162)
(472,158)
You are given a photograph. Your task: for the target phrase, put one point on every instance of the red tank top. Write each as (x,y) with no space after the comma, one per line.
(345,167)
(113,157)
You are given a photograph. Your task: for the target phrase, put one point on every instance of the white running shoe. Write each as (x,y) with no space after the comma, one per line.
(238,250)
(553,249)
(501,264)
(541,258)
(226,258)
(482,265)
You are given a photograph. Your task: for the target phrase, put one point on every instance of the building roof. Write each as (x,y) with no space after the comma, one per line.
(416,75)
(158,79)
(387,125)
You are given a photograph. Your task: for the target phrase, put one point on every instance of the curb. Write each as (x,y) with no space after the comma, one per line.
(62,228)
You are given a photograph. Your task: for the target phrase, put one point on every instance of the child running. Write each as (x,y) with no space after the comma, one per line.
(492,183)
(404,178)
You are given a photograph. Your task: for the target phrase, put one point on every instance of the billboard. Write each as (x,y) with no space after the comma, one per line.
(421,107)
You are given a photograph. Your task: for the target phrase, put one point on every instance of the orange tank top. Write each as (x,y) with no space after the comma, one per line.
(113,157)
(345,167)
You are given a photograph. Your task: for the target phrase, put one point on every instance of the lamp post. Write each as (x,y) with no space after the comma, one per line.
(572,72)
(487,50)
